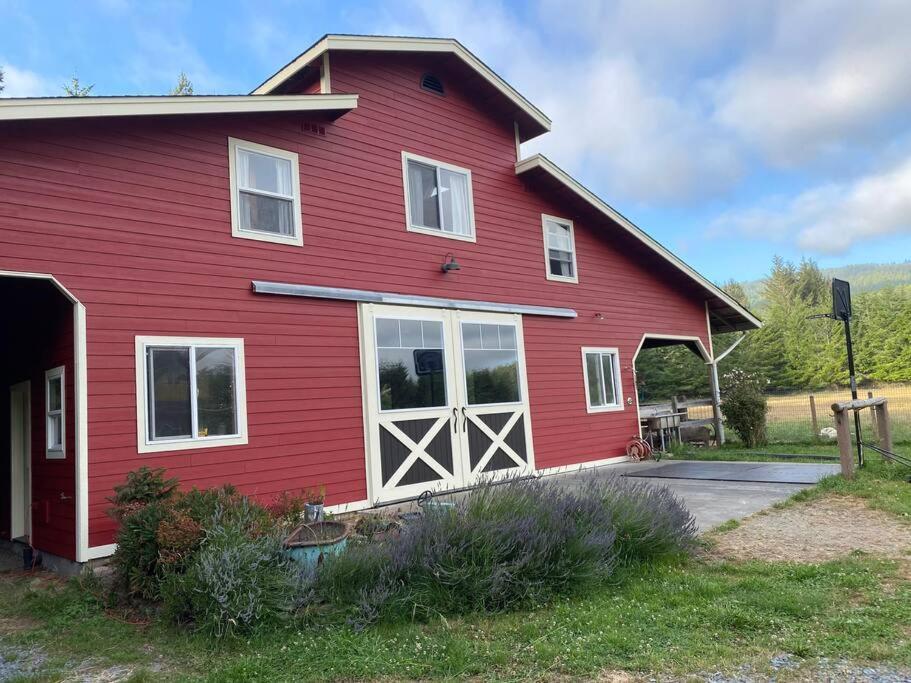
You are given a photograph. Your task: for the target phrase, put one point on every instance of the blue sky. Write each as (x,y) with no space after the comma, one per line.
(730,131)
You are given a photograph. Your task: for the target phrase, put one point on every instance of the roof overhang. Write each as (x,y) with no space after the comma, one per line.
(725,313)
(531,120)
(23,109)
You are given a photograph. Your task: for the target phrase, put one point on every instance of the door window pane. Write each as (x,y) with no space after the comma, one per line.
(410,364)
(491,364)
(169,393)
(215,392)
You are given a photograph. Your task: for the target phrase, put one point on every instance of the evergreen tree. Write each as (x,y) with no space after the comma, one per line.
(75,89)
(1,80)
(183,87)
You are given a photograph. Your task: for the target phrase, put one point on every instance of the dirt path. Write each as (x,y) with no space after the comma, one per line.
(818,531)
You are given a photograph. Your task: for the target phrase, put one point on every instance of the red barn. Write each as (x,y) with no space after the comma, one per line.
(347,278)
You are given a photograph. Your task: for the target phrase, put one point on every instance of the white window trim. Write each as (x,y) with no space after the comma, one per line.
(408,156)
(297,238)
(54,373)
(618,384)
(145,445)
(572,240)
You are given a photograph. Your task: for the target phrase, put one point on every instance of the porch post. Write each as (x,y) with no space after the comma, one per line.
(716,403)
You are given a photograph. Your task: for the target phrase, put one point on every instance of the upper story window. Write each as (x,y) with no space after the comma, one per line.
(438,198)
(601,369)
(265,193)
(559,249)
(190,393)
(55,422)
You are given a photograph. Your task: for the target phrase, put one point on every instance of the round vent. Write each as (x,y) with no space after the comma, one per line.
(432,84)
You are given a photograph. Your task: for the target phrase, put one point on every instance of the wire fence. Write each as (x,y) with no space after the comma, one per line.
(802,416)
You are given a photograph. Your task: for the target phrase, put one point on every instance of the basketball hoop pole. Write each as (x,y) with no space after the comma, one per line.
(860,447)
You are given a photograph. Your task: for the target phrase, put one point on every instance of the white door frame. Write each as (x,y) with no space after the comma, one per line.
(20,460)
(452,417)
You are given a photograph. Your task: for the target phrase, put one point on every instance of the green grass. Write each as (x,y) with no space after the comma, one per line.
(678,617)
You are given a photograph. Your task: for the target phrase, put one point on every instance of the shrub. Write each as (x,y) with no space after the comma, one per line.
(234,582)
(650,521)
(744,406)
(136,559)
(142,486)
(505,546)
(287,509)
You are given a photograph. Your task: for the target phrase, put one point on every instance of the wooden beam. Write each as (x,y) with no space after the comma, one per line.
(845,452)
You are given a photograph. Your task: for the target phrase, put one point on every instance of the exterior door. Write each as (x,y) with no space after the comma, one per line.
(445,399)
(20,460)
(493,399)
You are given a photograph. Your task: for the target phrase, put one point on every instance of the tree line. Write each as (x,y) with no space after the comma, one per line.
(791,350)
(75,88)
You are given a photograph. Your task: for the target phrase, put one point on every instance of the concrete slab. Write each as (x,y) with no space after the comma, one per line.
(712,500)
(772,473)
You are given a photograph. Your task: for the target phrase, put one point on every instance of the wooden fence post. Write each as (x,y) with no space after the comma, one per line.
(813,417)
(874,418)
(845,452)
(885,428)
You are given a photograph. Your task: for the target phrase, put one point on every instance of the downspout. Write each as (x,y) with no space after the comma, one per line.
(716,390)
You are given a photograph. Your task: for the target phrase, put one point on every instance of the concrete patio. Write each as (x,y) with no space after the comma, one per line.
(717,491)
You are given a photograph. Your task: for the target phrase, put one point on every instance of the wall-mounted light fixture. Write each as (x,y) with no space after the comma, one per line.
(450,263)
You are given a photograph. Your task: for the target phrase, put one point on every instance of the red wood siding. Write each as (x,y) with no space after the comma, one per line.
(134,217)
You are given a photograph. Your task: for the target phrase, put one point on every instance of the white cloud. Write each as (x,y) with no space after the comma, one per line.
(832,217)
(159,58)
(830,77)
(19,82)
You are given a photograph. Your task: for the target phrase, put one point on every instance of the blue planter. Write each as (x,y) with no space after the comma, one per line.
(308,544)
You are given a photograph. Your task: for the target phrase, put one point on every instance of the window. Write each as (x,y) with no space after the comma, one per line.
(491,363)
(602,379)
(265,193)
(559,249)
(410,364)
(438,198)
(190,393)
(55,407)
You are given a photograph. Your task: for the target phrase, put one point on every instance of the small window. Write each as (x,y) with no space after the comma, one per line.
(265,193)
(190,393)
(55,408)
(559,249)
(602,379)
(438,198)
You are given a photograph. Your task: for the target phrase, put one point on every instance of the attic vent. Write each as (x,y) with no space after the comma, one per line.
(432,84)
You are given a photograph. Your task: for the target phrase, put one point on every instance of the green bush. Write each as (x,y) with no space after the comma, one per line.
(142,486)
(744,406)
(233,583)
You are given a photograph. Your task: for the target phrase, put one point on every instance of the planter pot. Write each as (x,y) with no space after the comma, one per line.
(308,544)
(313,512)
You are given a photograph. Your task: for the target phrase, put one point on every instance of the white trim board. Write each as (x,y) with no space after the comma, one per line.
(81,107)
(405,44)
(539,161)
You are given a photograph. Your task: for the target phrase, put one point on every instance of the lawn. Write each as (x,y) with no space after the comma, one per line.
(686,616)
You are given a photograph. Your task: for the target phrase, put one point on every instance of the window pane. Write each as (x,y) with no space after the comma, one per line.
(55,431)
(593,371)
(387,332)
(412,374)
(507,337)
(53,394)
(492,371)
(422,195)
(561,263)
(558,236)
(168,376)
(264,172)
(607,366)
(454,197)
(266,214)
(215,404)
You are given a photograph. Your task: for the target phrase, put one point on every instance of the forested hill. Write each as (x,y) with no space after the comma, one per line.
(864,277)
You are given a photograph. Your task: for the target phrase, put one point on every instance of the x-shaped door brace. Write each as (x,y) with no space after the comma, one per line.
(418,450)
(497,440)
